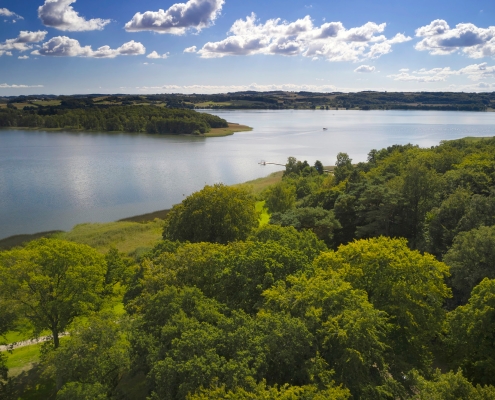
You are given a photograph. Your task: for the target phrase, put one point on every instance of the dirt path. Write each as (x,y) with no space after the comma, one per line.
(29,342)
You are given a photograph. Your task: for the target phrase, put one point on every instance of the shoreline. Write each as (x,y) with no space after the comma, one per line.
(214,132)
(17,240)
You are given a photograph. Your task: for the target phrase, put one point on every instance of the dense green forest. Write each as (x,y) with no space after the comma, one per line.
(85,114)
(368,100)
(375,281)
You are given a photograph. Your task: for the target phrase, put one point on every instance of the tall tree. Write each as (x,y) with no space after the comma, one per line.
(217,213)
(280,197)
(52,281)
(471,328)
(471,258)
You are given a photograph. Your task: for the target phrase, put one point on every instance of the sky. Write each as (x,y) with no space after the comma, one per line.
(218,46)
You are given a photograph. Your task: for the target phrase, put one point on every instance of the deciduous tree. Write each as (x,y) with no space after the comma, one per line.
(217,213)
(52,281)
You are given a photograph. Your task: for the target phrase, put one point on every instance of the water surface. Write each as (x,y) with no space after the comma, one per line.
(54,180)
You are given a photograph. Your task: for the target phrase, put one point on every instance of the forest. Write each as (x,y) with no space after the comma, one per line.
(83,114)
(370,280)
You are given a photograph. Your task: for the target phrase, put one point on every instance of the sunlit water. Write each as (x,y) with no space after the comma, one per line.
(54,180)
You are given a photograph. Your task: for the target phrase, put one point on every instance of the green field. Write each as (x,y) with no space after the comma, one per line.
(47,103)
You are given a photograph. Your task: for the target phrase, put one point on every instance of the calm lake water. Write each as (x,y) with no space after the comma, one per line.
(54,180)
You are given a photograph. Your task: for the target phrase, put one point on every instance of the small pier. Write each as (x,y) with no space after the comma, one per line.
(263,162)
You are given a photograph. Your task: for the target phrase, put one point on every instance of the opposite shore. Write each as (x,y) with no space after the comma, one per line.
(214,132)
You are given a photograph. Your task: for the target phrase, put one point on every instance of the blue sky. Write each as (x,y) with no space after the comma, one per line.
(213,46)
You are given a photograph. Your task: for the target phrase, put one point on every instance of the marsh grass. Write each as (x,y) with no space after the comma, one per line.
(125,236)
(256,186)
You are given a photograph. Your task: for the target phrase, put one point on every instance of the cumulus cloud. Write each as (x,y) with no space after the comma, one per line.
(63,46)
(331,40)
(237,88)
(61,15)
(22,42)
(365,68)
(440,39)
(23,57)
(474,72)
(10,14)
(7,86)
(191,49)
(195,14)
(154,54)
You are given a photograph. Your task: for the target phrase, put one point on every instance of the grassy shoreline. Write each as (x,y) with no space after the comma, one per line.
(256,186)
(232,128)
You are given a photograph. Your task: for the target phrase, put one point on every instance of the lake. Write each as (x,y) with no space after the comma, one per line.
(54,180)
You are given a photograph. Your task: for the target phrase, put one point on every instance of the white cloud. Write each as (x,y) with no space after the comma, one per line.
(365,68)
(61,15)
(440,39)
(404,70)
(6,86)
(331,40)
(406,77)
(478,87)
(63,46)
(477,72)
(21,43)
(237,88)
(195,14)
(23,57)
(154,54)
(474,72)
(191,49)
(10,14)
(400,38)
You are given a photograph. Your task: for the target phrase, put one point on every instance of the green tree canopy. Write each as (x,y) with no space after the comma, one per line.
(405,284)
(280,197)
(449,386)
(320,221)
(305,241)
(95,353)
(184,340)
(217,213)
(471,258)
(235,274)
(52,281)
(343,167)
(264,392)
(349,333)
(469,339)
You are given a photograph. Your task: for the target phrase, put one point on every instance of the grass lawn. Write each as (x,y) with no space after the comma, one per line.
(47,103)
(212,103)
(23,359)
